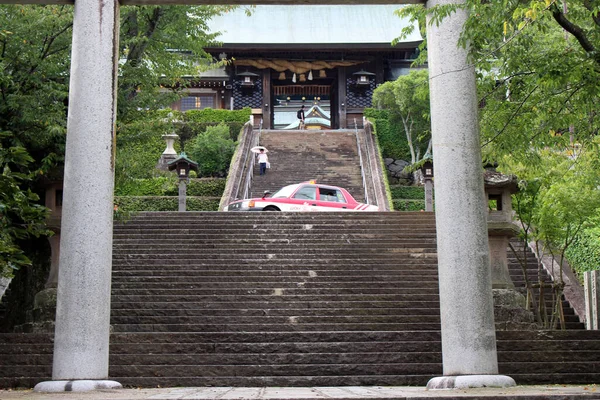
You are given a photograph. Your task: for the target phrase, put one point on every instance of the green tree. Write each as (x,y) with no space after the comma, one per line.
(159,45)
(407,100)
(212,151)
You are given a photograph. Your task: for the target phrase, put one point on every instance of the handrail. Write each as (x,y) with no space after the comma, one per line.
(255,141)
(235,182)
(362,167)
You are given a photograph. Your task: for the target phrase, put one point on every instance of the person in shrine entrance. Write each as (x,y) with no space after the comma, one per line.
(300,116)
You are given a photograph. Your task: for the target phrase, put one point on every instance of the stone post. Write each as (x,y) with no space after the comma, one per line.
(81,337)
(428,194)
(591,284)
(466,304)
(182,194)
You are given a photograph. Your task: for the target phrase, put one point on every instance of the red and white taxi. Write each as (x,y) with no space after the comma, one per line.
(306,196)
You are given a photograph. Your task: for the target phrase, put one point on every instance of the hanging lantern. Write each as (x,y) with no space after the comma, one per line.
(294,78)
(363,78)
(302,78)
(322,74)
(310,75)
(282,76)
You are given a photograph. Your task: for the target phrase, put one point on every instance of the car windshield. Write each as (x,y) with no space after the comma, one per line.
(284,192)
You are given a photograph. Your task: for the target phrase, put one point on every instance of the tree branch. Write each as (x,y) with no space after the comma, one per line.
(574,30)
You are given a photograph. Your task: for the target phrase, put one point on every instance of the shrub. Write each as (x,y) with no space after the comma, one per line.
(131,204)
(408,205)
(408,192)
(584,253)
(390,134)
(213,187)
(212,151)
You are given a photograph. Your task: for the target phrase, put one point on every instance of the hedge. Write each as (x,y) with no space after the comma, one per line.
(131,204)
(584,253)
(189,130)
(168,186)
(390,134)
(408,205)
(211,115)
(207,187)
(408,192)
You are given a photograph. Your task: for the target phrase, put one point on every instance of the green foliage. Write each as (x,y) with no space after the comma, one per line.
(389,134)
(407,101)
(20,215)
(408,205)
(408,192)
(148,35)
(211,115)
(189,130)
(213,187)
(131,204)
(584,252)
(212,151)
(158,186)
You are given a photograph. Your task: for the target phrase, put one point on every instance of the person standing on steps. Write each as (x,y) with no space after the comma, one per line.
(263,160)
(300,115)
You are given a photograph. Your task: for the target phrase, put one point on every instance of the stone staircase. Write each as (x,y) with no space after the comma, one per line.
(330,157)
(287,299)
(572,320)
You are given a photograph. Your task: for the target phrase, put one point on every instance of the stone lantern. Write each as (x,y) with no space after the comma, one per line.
(499,189)
(427,171)
(169,154)
(509,304)
(183,165)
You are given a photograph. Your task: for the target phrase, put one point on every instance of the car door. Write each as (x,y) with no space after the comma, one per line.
(304,199)
(331,199)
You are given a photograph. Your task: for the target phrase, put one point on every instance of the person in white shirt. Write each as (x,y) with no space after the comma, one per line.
(262,161)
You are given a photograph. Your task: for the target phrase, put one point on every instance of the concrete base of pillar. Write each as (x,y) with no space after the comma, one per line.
(76,386)
(470,381)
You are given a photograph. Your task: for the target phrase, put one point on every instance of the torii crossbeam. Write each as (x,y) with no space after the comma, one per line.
(83,304)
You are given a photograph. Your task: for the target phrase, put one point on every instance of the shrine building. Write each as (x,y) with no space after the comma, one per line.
(329,58)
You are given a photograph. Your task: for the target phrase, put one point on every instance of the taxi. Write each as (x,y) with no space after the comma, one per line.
(306,196)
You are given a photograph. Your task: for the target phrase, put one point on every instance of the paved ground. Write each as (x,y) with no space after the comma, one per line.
(314,393)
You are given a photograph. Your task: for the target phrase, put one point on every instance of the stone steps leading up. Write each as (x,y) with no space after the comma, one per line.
(330,157)
(351,301)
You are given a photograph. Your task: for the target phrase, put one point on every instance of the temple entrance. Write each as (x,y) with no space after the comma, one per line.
(316,99)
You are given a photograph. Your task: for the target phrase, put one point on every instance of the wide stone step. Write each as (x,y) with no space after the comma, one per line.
(323,327)
(147,283)
(283,370)
(265,305)
(271,320)
(276,291)
(283,312)
(245,248)
(224,241)
(285,276)
(278,381)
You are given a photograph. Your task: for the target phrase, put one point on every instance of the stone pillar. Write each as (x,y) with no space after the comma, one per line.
(83,302)
(428,194)
(182,194)
(591,284)
(466,304)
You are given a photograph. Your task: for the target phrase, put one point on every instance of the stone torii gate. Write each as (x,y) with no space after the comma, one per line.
(83,305)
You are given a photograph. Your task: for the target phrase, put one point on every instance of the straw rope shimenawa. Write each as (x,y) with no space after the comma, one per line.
(298,67)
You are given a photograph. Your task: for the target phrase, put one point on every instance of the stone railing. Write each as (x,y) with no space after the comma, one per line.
(240,171)
(372,168)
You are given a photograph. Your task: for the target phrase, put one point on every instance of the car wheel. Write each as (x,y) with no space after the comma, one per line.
(271,208)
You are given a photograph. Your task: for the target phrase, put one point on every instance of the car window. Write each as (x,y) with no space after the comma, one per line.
(284,192)
(306,193)
(328,194)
